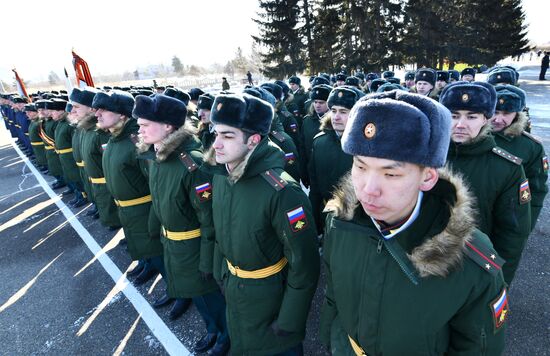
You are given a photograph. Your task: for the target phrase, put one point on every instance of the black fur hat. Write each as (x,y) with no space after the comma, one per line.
(443,75)
(388,74)
(371,76)
(16,99)
(274,89)
(319,80)
(41,104)
(320,92)
(294,80)
(504,76)
(195,93)
(353,81)
(479,97)
(160,108)
(205,101)
(242,111)
(376,83)
(56,104)
(341,77)
(117,101)
(508,101)
(400,126)
(470,71)
(425,75)
(30,107)
(178,94)
(83,96)
(409,75)
(454,74)
(514,89)
(389,87)
(342,97)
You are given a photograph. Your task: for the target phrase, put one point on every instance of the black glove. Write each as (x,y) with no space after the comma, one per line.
(206,276)
(278,331)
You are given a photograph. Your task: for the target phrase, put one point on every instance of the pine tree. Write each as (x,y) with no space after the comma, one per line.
(280,36)
(325,37)
(177,65)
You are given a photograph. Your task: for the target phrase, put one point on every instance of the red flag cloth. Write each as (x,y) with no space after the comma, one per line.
(83,75)
(21,86)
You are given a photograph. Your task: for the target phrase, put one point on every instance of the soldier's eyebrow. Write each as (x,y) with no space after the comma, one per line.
(225,132)
(394,165)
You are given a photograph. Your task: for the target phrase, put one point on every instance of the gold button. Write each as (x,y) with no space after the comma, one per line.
(370,131)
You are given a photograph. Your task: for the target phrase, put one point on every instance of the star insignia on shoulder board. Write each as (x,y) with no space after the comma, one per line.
(493,256)
(488,266)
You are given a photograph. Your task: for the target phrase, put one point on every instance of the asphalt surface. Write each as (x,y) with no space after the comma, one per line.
(56,298)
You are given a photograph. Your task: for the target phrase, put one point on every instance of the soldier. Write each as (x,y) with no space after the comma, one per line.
(328,162)
(409,79)
(127,181)
(368,80)
(290,125)
(341,79)
(80,195)
(310,127)
(495,176)
(270,260)
(388,74)
(34,136)
(468,74)
(182,197)
(353,82)
(194,94)
(225,84)
(424,82)
(441,80)
(300,98)
(22,124)
(502,76)
(48,136)
(509,125)
(375,84)
(454,75)
(206,132)
(399,230)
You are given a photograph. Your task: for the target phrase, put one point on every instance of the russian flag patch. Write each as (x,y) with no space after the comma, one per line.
(499,308)
(204,191)
(103,147)
(524,192)
(290,157)
(297,219)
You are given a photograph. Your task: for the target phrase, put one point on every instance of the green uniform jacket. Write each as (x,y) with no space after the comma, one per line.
(126,180)
(207,137)
(259,220)
(535,162)
(310,128)
(290,125)
(299,98)
(63,145)
(94,142)
(285,143)
(180,204)
(327,165)
(37,143)
(370,299)
(83,126)
(54,165)
(496,183)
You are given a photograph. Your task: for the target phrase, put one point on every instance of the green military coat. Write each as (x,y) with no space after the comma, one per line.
(534,160)
(182,198)
(87,124)
(64,148)
(261,215)
(370,299)
(37,143)
(310,128)
(48,131)
(499,184)
(127,180)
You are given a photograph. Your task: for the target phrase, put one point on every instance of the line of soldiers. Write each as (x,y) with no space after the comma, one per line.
(435,212)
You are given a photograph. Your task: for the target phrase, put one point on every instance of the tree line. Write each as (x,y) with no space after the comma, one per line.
(312,36)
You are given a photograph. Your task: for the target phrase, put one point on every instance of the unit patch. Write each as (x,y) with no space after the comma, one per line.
(297,219)
(499,309)
(290,158)
(545,163)
(204,191)
(524,192)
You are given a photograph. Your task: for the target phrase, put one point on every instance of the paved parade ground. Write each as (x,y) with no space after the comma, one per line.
(63,288)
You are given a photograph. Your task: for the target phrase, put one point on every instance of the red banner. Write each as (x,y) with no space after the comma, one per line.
(21,86)
(83,75)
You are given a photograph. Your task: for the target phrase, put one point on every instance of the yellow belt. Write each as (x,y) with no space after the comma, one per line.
(259,273)
(132,202)
(48,147)
(17,126)
(80,164)
(181,235)
(26,134)
(98,180)
(66,150)
(356,348)
(37,143)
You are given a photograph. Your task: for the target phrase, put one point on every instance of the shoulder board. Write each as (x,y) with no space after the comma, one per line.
(188,162)
(278,136)
(134,138)
(532,137)
(319,134)
(507,155)
(484,256)
(274,179)
(286,113)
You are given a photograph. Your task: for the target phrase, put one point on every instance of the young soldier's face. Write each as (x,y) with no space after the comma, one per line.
(320,106)
(409,83)
(231,145)
(466,125)
(204,116)
(339,118)
(32,114)
(339,83)
(423,87)
(80,111)
(440,84)
(468,77)
(294,86)
(56,114)
(502,120)
(388,190)
(107,119)
(152,132)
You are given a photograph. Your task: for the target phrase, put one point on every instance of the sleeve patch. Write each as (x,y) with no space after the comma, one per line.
(545,163)
(290,157)
(297,219)
(204,191)
(499,309)
(524,192)
(103,147)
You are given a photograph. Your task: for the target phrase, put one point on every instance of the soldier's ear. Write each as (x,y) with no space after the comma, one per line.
(253,140)
(430,177)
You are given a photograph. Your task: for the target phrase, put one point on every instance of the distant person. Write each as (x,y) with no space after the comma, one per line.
(543,66)
(249,76)
(225,84)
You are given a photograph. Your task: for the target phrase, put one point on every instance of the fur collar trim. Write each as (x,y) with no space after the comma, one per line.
(170,143)
(237,172)
(326,123)
(517,126)
(440,254)
(88,122)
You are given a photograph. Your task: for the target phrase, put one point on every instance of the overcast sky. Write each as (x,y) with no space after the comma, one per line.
(114,36)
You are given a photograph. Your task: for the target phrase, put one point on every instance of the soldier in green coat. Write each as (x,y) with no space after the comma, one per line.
(34,136)
(495,176)
(48,137)
(311,126)
(299,98)
(206,134)
(265,234)
(407,271)
(182,198)
(509,124)
(328,162)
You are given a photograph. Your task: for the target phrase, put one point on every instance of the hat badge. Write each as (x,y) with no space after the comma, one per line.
(498,76)
(340,94)
(423,74)
(316,92)
(501,101)
(219,106)
(465,97)
(370,130)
